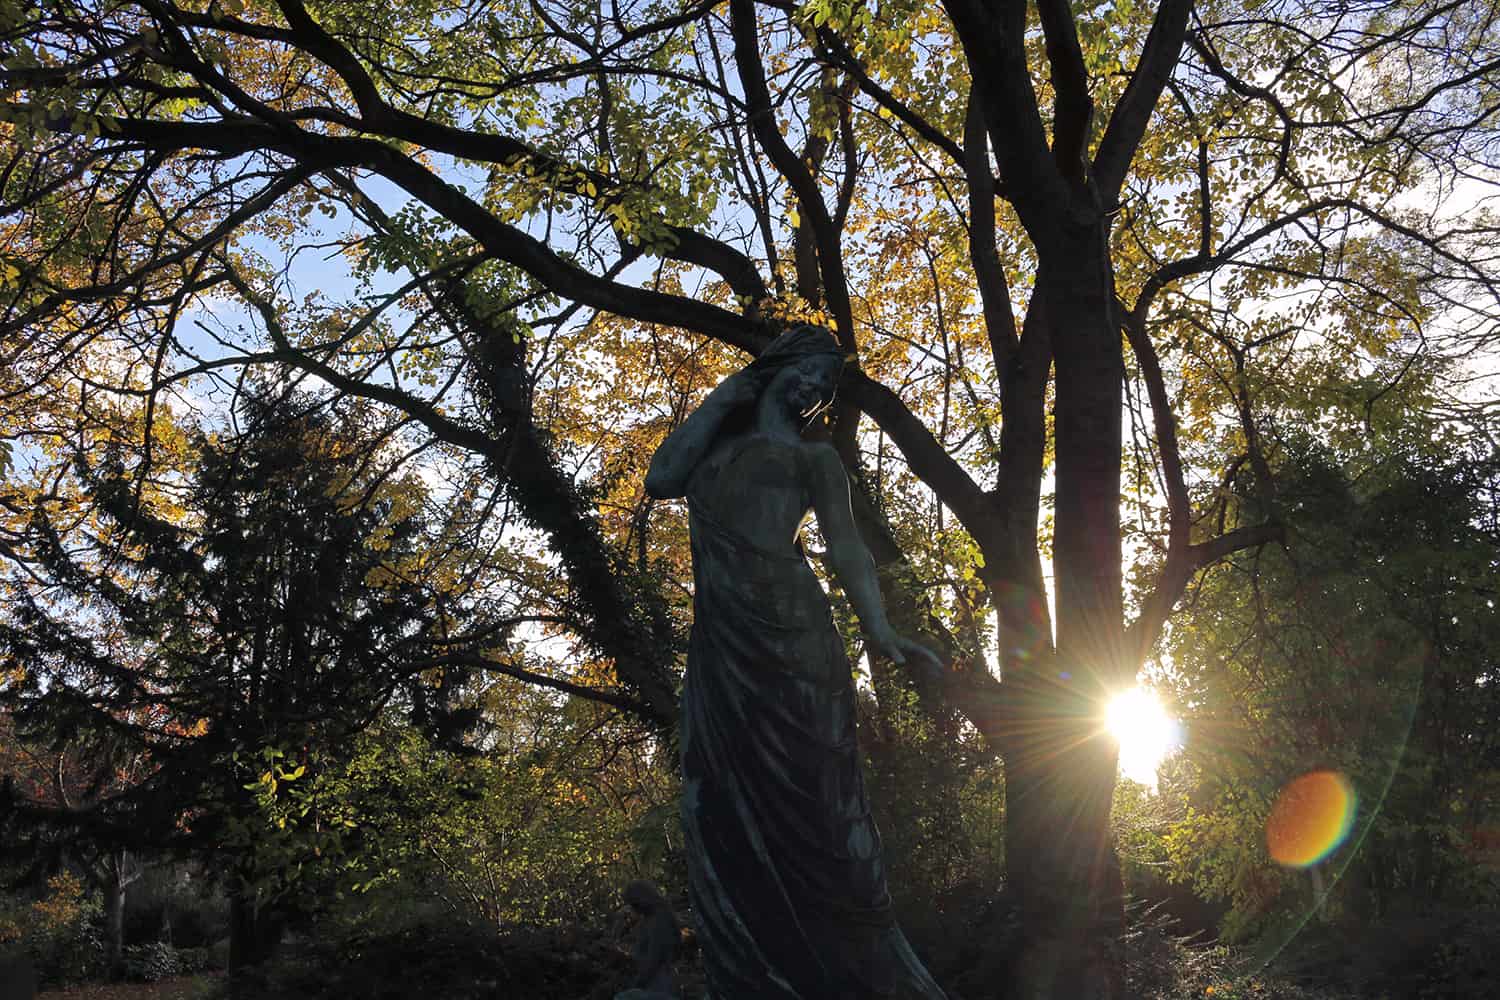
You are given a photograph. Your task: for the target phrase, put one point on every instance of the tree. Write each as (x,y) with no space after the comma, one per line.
(84,770)
(235,655)
(1360,646)
(984,202)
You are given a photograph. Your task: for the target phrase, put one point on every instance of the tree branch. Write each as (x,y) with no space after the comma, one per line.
(1142,634)
(846,61)
(620,630)
(745,32)
(612,698)
(1179,506)
(1072,107)
(1128,121)
(989,275)
(993,38)
(925,455)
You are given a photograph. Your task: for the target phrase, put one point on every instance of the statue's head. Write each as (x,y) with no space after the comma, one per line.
(796,344)
(802,366)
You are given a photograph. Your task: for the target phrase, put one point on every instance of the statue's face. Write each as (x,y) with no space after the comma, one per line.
(807,386)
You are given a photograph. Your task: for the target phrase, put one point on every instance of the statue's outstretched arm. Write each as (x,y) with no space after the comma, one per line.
(686,446)
(851,560)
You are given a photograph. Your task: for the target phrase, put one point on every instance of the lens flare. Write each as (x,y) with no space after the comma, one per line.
(1311,817)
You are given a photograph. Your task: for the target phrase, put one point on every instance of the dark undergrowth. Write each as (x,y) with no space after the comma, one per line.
(1436,954)
(1447,956)
(447,962)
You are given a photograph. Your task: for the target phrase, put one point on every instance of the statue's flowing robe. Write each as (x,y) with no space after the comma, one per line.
(785,869)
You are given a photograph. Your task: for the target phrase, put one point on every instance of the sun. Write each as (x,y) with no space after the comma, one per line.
(1145,731)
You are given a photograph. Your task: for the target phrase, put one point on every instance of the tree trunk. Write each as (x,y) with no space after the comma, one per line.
(114,923)
(1060,763)
(254,932)
(1061,862)
(113,873)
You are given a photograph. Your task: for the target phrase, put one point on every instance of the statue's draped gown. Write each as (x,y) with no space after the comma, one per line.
(784,859)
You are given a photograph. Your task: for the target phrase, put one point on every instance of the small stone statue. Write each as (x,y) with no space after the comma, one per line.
(655,944)
(785,871)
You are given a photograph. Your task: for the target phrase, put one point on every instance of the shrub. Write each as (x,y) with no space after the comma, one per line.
(56,930)
(198,920)
(218,954)
(1423,953)
(148,963)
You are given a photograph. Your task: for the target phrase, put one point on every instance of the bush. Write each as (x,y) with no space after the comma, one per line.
(56,930)
(1159,966)
(198,920)
(148,963)
(73,959)
(1424,953)
(196,959)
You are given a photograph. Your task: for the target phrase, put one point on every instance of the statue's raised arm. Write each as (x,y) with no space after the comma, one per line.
(685,447)
(785,871)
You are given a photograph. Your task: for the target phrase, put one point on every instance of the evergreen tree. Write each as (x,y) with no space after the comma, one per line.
(239,651)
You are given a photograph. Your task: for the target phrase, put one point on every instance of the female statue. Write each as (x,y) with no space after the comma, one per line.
(785,871)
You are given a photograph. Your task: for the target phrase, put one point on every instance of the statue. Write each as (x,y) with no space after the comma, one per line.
(784,861)
(655,944)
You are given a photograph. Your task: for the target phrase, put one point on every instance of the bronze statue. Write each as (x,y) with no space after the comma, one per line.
(785,871)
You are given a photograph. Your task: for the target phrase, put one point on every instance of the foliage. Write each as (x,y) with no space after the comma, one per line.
(451,960)
(545,827)
(939,805)
(1143,819)
(1426,950)
(152,961)
(1361,646)
(1162,967)
(197,959)
(56,929)
(63,909)
(238,651)
(174,902)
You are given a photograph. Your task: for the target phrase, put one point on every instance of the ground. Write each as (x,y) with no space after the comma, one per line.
(176,988)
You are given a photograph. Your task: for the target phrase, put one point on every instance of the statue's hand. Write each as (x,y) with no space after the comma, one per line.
(899,649)
(736,390)
(925,660)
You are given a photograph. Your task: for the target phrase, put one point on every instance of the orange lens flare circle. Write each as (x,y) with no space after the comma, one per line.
(1311,817)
